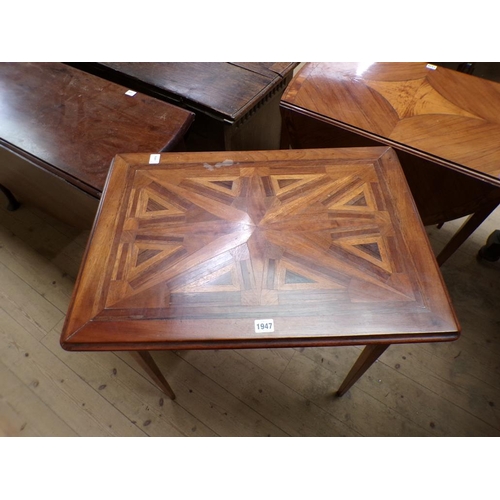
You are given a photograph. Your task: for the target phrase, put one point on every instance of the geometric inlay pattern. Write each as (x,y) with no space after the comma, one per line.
(315,243)
(253,240)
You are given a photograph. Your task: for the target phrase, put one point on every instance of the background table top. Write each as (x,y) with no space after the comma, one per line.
(74,123)
(224,90)
(327,243)
(437,112)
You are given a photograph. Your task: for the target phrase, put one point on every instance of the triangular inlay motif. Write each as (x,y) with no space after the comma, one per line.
(284,183)
(291,277)
(224,184)
(152,204)
(358,201)
(359,198)
(229,185)
(153,255)
(145,254)
(371,249)
(222,280)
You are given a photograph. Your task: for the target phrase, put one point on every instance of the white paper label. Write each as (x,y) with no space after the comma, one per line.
(264,325)
(154,158)
(130,92)
(431,66)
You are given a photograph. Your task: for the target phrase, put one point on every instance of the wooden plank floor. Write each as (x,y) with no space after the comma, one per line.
(448,389)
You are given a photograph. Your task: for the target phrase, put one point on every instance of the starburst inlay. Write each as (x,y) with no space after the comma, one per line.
(254,237)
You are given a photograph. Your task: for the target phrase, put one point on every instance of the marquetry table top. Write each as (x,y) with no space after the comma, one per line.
(431,111)
(257,249)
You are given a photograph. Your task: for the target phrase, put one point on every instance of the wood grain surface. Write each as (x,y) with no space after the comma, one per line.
(236,104)
(224,90)
(436,113)
(190,252)
(72,124)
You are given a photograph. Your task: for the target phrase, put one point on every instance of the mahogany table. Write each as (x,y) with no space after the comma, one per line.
(71,124)
(236,104)
(257,250)
(443,124)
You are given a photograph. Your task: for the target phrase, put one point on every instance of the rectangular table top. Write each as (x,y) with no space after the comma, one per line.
(257,249)
(73,123)
(434,112)
(226,91)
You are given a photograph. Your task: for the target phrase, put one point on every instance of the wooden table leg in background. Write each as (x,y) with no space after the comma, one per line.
(13,204)
(369,355)
(468,227)
(147,362)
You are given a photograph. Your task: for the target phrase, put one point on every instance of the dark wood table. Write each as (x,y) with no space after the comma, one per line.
(443,124)
(236,104)
(71,124)
(259,249)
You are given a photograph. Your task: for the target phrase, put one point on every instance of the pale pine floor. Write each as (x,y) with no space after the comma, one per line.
(450,389)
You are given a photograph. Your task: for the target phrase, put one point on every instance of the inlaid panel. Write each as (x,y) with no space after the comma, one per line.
(193,251)
(430,111)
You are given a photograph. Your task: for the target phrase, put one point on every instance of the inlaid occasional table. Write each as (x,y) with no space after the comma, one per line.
(236,103)
(443,124)
(259,249)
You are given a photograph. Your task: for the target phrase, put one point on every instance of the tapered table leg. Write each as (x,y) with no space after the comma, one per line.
(13,204)
(468,227)
(147,362)
(369,355)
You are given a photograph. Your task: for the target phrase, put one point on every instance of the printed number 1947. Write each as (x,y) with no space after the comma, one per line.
(264,325)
